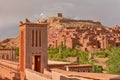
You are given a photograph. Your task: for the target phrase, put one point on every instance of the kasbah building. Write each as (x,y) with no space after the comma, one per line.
(33,60)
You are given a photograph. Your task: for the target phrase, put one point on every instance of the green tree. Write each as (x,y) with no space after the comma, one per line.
(62,52)
(114,61)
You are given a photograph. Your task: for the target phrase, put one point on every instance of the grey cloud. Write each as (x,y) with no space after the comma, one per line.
(12,11)
(9,32)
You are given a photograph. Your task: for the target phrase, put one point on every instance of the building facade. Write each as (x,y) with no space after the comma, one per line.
(7,54)
(33,47)
(87,38)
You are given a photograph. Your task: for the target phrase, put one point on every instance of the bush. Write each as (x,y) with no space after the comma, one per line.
(101,54)
(113,63)
(97,69)
(17,51)
(61,53)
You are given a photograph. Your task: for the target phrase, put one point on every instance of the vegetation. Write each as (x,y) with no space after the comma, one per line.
(112,53)
(62,52)
(0,45)
(97,69)
(101,54)
(113,62)
(17,51)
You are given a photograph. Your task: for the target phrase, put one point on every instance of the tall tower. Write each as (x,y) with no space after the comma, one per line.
(33,46)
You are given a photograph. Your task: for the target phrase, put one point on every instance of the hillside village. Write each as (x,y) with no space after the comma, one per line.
(27,57)
(87,34)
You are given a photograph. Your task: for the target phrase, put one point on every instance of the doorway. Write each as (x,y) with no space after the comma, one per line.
(37,63)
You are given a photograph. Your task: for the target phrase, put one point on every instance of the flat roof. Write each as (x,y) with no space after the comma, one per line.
(57,62)
(80,65)
(94,76)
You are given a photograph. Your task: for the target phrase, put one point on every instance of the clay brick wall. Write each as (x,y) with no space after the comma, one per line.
(33,75)
(58,74)
(89,38)
(9,70)
(8,54)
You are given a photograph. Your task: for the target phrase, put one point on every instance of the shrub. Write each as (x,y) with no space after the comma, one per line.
(62,52)
(101,54)
(97,69)
(17,51)
(113,63)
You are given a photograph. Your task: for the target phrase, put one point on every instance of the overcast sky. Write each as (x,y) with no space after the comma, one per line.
(12,11)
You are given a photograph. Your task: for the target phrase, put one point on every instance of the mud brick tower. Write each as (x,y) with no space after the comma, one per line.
(33,46)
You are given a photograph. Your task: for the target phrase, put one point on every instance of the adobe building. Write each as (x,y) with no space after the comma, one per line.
(33,46)
(91,37)
(88,38)
(7,54)
(33,63)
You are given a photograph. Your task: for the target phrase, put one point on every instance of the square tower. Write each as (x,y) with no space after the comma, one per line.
(33,46)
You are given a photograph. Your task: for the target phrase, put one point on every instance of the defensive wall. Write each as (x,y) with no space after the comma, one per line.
(9,70)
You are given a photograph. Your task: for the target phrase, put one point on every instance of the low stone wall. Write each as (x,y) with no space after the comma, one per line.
(8,54)
(79,68)
(58,74)
(9,70)
(33,75)
(59,66)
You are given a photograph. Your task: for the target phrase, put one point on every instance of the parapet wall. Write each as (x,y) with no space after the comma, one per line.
(33,75)
(59,66)
(9,70)
(58,74)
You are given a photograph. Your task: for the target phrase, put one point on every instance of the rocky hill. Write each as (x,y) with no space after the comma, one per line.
(10,43)
(54,23)
(59,22)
